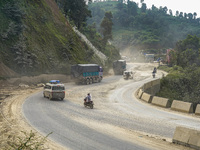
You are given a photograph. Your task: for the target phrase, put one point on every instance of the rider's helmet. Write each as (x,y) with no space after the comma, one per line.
(88,94)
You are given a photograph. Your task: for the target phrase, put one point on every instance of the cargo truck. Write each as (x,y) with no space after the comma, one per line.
(86,73)
(119,66)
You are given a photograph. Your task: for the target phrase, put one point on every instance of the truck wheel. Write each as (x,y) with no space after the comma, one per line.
(91,106)
(100,79)
(87,81)
(50,98)
(91,81)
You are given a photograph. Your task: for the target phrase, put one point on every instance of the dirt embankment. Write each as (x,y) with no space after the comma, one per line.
(13,92)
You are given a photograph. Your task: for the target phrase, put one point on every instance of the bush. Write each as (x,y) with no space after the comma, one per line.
(28,142)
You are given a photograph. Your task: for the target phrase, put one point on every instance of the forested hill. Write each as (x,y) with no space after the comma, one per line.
(35,38)
(142,28)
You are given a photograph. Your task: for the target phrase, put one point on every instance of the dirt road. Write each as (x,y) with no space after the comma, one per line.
(112,124)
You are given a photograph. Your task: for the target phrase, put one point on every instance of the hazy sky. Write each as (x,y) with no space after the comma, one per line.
(185,6)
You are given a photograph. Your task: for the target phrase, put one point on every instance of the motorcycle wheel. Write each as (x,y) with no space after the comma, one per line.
(91,106)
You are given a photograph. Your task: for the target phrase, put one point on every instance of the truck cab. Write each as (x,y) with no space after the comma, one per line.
(119,66)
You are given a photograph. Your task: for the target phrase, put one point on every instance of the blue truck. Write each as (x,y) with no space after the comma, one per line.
(86,73)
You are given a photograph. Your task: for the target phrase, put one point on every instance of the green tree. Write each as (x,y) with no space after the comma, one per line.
(77,11)
(195,15)
(185,15)
(181,15)
(170,12)
(177,13)
(106,26)
(190,16)
(132,8)
(143,8)
(188,51)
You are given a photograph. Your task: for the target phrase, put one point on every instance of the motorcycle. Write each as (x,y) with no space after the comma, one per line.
(89,104)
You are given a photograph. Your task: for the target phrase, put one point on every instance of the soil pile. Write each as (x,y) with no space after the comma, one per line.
(6,72)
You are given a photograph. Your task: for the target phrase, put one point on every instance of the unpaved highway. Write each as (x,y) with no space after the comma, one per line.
(119,121)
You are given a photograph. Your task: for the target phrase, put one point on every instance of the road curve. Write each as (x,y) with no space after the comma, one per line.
(117,114)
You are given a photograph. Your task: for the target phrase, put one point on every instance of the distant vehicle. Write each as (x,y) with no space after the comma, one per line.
(86,73)
(119,66)
(128,75)
(149,57)
(54,91)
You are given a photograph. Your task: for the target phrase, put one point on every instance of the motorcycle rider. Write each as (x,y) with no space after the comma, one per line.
(88,98)
(154,72)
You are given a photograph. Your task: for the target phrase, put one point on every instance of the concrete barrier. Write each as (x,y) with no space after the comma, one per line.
(147,86)
(197,112)
(160,101)
(156,82)
(187,137)
(182,106)
(152,87)
(146,97)
(140,93)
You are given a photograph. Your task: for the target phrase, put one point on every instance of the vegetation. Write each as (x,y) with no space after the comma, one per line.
(28,142)
(183,82)
(101,44)
(106,27)
(145,29)
(100,41)
(77,11)
(35,37)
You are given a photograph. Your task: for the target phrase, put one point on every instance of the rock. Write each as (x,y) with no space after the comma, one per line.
(21,85)
(40,85)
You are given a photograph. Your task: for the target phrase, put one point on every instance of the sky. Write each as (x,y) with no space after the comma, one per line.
(185,6)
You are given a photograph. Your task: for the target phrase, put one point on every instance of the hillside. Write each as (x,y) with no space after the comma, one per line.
(138,28)
(36,38)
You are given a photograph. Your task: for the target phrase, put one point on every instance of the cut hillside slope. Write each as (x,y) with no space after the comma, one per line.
(38,39)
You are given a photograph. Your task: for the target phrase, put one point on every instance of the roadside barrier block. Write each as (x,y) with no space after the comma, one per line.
(160,101)
(187,137)
(182,106)
(146,97)
(197,112)
(140,93)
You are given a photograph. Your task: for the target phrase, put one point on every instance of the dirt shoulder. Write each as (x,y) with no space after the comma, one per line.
(12,121)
